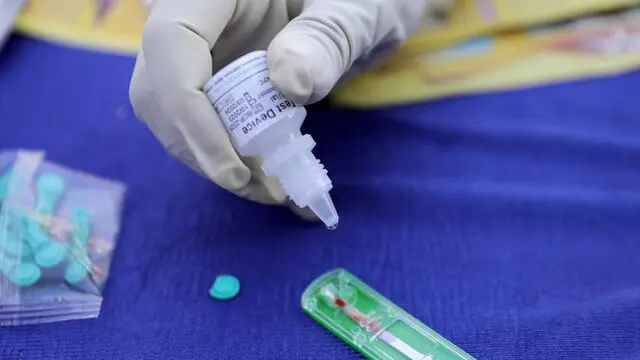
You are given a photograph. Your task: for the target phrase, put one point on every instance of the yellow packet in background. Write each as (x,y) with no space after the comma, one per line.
(430,65)
(111,25)
(116,25)
(470,18)
(575,49)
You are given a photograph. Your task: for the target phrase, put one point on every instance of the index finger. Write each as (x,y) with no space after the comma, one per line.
(177,41)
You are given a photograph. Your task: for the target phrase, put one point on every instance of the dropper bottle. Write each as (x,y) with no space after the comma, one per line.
(262,122)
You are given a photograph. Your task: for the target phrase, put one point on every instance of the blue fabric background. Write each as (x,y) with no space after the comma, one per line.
(507,222)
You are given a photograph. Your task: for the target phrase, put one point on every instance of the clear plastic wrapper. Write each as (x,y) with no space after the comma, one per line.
(9,11)
(58,230)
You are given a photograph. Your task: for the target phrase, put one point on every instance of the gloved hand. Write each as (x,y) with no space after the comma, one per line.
(311,45)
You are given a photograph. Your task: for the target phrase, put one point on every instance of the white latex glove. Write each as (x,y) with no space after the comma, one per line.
(311,44)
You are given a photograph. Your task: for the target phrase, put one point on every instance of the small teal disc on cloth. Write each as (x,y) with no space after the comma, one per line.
(225,287)
(51,254)
(26,274)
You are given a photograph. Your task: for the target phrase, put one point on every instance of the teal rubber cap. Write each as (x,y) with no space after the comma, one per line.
(7,264)
(13,217)
(4,183)
(17,248)
(50,255)
(13,245)
(225,287)
(75,272)
(34,234)
(26,274)
(50,188)
(81,226)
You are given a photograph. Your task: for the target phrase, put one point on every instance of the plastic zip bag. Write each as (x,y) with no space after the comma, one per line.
(58,230)
(9,11)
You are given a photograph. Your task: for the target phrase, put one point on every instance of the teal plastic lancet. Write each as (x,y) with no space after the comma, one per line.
(371,324)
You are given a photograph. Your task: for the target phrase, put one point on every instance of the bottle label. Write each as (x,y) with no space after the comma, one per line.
(243,97)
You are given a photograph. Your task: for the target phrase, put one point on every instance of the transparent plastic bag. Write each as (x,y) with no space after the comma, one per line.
(58,230)
(7,161)
(9,11)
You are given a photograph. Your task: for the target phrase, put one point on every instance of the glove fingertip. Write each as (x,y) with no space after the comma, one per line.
(260,193)
(299,70)
(232,177)
(288,75)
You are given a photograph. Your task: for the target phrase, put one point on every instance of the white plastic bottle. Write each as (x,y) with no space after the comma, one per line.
(262,122)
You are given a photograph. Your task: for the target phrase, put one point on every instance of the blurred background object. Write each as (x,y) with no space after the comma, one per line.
(477,46)
(109,25)
(490,45)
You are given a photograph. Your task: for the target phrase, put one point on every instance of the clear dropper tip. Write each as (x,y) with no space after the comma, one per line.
(325,211)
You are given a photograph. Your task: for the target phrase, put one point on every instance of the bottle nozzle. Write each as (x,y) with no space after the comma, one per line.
(325,210)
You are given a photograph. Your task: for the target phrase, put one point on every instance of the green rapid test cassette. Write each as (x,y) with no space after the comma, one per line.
(372,324)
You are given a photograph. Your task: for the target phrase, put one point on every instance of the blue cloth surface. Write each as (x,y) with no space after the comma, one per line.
(508,222)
